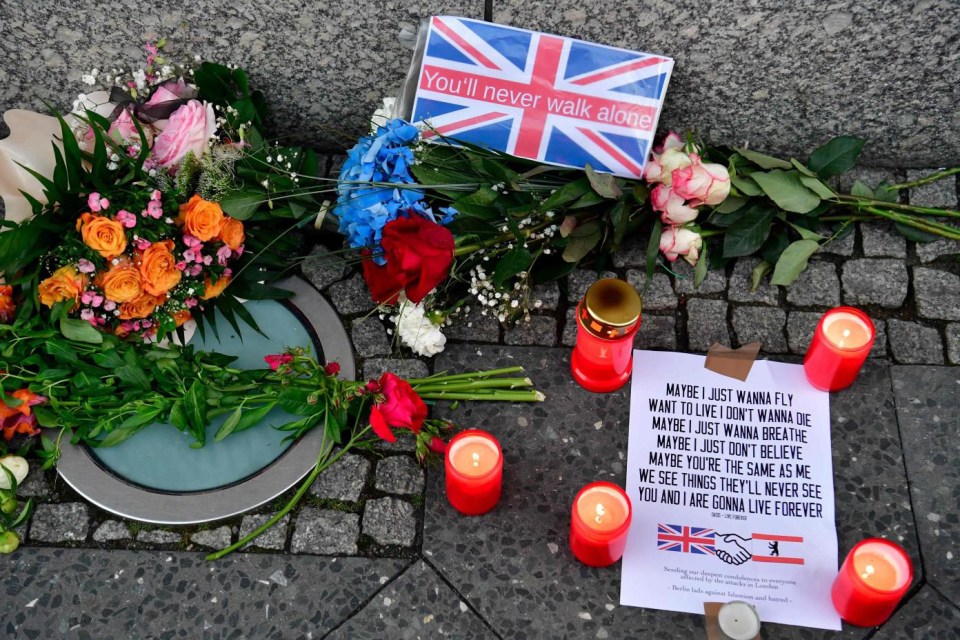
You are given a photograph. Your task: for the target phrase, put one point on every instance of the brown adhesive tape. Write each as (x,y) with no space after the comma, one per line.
(733,363)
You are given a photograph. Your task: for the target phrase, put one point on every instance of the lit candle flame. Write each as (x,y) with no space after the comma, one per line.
(600,513)
(845,335)
(868,571)
(476,459)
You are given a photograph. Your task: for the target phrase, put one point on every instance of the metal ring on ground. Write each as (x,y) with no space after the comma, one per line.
(110,492)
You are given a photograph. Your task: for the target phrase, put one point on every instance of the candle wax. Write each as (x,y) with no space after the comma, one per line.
(877,570)
(601,509)
(473,456)
(846,331)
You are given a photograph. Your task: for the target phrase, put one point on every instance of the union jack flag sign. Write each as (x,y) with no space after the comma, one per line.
(684,539)
(557,100)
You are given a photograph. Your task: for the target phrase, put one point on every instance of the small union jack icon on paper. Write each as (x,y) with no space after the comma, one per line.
(685,539)
(557,100)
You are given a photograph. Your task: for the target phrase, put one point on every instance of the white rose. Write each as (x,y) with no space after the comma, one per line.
(17,466)
(677,241)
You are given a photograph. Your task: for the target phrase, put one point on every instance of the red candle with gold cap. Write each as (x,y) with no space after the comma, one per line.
(608,318)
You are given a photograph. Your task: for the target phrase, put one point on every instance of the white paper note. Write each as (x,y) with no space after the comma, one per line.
(732,491)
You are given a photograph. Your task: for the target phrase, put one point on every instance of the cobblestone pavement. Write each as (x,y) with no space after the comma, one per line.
(416,569)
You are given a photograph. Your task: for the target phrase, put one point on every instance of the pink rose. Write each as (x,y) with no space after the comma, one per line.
(189,130)
(169,91)
(124,127)
(702,183)
(677,241)
(671,206)
(672,141)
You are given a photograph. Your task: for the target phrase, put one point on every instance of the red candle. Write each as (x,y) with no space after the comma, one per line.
(872,581)
(841,344)
(599,523)
(608,318)
(474,472)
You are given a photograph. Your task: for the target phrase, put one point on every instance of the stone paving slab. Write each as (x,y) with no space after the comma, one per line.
(925,616)
(78,593)
(418,604)
(928,408)
(514,564)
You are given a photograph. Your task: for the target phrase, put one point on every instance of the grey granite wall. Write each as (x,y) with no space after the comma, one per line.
(783,75)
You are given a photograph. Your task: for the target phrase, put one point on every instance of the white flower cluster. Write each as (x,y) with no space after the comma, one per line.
(503,304)
(418,331)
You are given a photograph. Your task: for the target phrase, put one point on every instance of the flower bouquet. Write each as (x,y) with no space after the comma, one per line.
(443,228)
(158,197)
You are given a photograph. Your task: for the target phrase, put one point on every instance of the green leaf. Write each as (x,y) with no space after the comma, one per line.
(793,261)
(228,425)
(836,157)
(802,168)
(746,185)
(604,184)
(786,190)
(861,190)
(619,217)
(762,160)
(80,330)
(582,241)
(805,233)
(566,194)
(242,204)
(253,417)
(763,268)
(749,233)
(141,418)
(912,233)
(653,248)
(817,187)
(731,204)
(885,193)
(195,409)
(700,271)
(513,262)
(178,416)
(133,376)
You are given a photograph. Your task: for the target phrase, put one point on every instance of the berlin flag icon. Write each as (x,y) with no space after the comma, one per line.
(548,98)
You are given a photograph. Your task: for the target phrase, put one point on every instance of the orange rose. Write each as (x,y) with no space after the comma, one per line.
(7,306)
(103,235)
(181,316)
(141,307)
(158,268)
(213,289)
(231,233)
(64,284)
(121,283)
(201,219)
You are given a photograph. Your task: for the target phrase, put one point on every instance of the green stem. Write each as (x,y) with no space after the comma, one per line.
(494,395)
(933,177)
(706,233)
(478,375)
(870,202)
(935,228)
(507,383)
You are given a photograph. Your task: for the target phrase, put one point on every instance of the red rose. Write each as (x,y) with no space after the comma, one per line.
(418,254)
(437,445)
(332,368)
(275,361)
(401,407)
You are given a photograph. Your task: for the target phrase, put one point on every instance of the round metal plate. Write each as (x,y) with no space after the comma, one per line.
(108,491)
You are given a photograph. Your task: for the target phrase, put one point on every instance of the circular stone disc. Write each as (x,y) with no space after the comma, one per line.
(156,477)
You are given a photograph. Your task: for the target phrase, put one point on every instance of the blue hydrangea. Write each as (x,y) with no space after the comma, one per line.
(380,159)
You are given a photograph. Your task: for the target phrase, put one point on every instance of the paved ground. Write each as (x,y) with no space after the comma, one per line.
(376,552)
